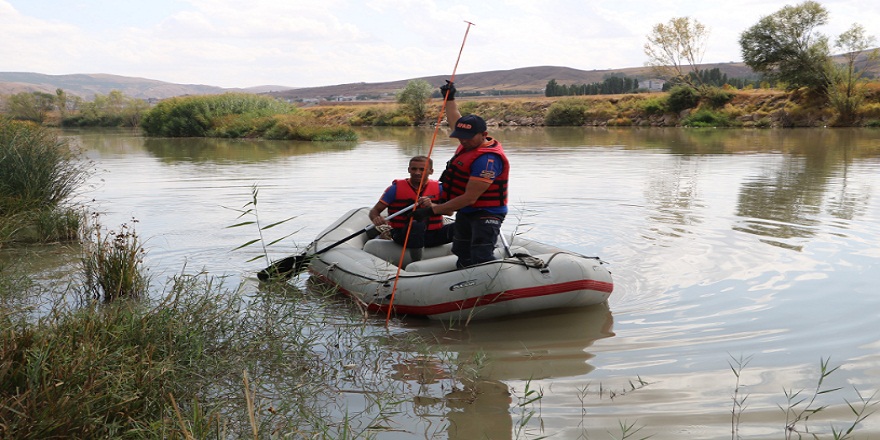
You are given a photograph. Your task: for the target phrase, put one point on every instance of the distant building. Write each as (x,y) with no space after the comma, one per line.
(653,84)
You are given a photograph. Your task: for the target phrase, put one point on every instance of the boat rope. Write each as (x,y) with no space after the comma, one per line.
(425,175)
(530,261)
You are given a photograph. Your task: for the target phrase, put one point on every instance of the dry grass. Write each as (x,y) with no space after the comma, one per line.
(753,108)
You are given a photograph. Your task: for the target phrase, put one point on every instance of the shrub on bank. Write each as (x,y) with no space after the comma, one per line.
(749,106)
(239,126)
(566,112)
(619,122)
(717,97)
(707,118)
(302,128)
(373,116)
(869,111)
(682,98)
(654,106)
(600,111)
(239,115)
(197,116)
(112,110)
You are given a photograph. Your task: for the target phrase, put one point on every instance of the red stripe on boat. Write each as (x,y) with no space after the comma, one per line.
(491,298)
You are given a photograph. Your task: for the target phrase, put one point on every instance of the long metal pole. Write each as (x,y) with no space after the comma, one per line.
(425,175)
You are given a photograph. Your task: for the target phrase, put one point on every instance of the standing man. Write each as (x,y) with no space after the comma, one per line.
(425,232)
(475,182)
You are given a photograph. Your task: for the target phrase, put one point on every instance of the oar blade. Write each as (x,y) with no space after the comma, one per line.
(290,266)
(285,268)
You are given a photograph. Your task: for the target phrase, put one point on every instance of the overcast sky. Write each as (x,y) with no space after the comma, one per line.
(304,43)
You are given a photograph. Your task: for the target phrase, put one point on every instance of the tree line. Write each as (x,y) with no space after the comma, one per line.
(716,78)
(620,84)
(114,109)
(611,85)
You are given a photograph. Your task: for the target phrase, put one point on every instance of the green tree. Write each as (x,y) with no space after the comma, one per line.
(849,84)
(34,106)
(116,103)
(786,46)
(61,97)
(676,46)
(552,88)
(414,98)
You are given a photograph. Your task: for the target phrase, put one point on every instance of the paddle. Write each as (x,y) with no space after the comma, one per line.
(294,264)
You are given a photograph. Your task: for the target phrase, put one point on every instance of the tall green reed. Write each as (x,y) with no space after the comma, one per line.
(39,175)
(112,262)
(197,361)
(37,169)
(803,405)
(249,210)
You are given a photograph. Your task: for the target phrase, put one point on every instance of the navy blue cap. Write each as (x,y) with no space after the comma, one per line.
(468,126)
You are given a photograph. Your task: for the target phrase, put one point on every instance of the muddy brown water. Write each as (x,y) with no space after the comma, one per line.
(724,243)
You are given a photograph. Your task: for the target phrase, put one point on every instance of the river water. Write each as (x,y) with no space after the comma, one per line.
(724,245)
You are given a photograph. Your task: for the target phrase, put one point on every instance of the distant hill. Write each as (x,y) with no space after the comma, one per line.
(87,85)
(526,78)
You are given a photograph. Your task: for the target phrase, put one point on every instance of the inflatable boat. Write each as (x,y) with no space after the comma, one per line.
(527,276)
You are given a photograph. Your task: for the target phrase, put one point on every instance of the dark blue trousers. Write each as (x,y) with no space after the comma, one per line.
(421,237)
(475,236)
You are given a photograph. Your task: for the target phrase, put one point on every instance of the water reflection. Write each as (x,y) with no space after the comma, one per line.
(538,346)
(236,150)
(550,345)
(482,411)
(674,197)
(785,200)
(684,218)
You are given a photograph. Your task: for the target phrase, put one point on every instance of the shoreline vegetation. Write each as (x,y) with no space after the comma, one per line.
(241,115)
(681,107)
(39,175)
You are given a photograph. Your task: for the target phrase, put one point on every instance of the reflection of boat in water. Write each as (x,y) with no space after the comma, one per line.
(536,346)
(527,277)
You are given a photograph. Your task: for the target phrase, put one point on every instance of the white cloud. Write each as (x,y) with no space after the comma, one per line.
(240,43)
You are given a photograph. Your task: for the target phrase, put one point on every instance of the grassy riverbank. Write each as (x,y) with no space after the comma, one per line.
(243,115)
(758,108)
(201,361)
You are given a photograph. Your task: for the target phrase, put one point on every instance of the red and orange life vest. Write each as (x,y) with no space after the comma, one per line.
(405,195)
(458,172)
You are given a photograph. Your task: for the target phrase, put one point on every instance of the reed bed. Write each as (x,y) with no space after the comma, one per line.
(197,360)
(39,175)
(171,368)
(37,169)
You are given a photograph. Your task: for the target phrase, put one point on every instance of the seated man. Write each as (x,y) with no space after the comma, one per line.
(402,193)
